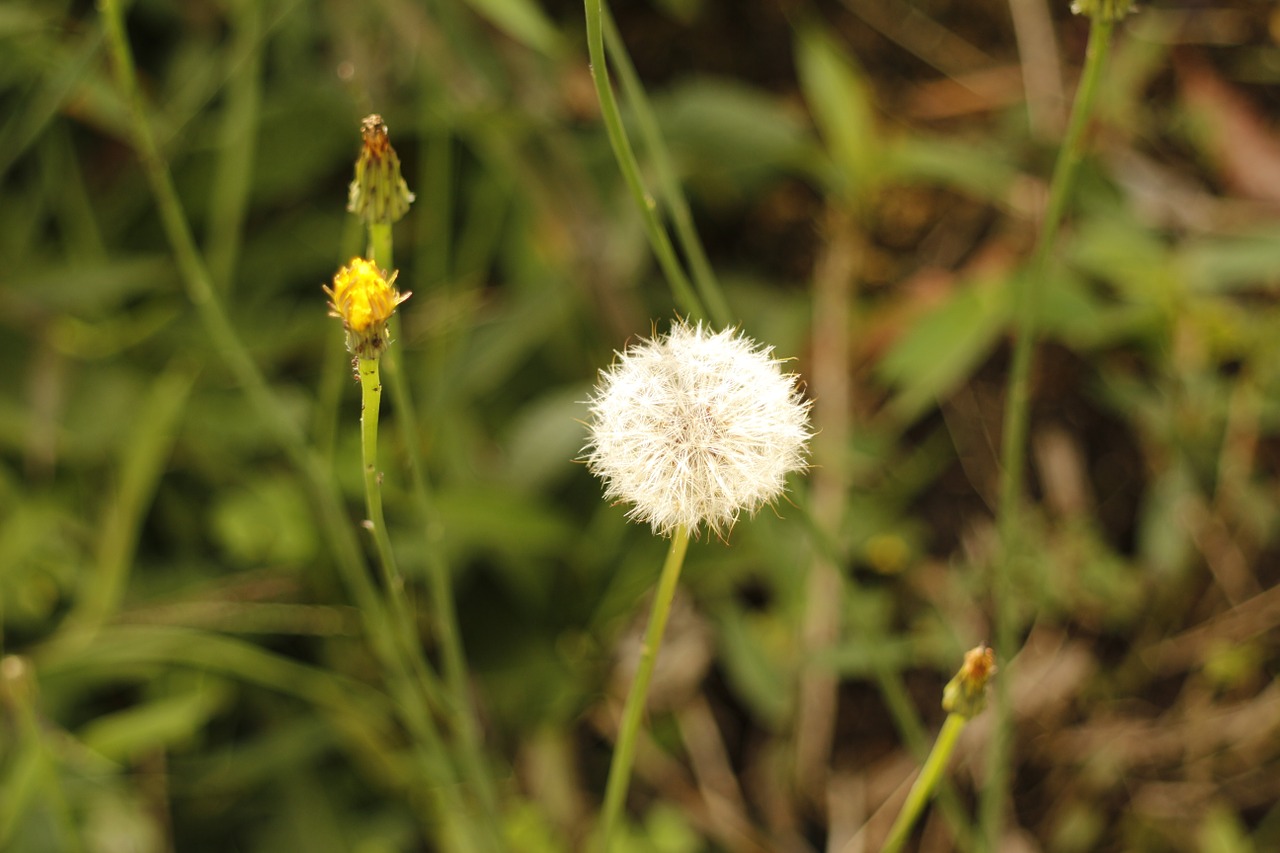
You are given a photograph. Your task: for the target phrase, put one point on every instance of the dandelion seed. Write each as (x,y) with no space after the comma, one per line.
(695,428)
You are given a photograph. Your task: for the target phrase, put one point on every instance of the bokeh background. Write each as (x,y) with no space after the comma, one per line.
(866,177)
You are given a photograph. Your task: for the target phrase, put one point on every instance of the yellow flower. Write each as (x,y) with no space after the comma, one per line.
(364,298)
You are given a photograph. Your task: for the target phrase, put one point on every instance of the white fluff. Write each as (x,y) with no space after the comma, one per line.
(695,427)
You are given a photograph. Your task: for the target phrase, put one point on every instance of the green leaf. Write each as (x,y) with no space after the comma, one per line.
(266,521)
(751,667)
(945,346)
(840,100)
(523,20)
(723,132)
(545,437)
(972,168)
(1238,262)
(159,724)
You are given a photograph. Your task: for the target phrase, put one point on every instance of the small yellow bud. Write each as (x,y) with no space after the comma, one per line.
(364,298)
(378,193)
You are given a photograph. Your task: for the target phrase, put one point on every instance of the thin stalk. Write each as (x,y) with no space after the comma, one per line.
(930,774)
(685,298)
(624,751)
(287,434)
(380,245)
(908,724)
(370,404)
(1016,415)
(704,277)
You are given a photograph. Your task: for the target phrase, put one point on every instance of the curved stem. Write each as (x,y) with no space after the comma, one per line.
(624,751)
(685,298)
(1016,416)
(922,788)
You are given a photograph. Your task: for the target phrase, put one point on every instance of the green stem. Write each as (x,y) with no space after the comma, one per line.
(913,733)
(930,774)
(287,434)
(624,752)
(370,404)
(380,245)
(704,277)
(685,298)
(1016,416)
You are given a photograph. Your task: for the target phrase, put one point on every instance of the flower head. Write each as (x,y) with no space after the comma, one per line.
(378,193)
(694,428)
(966,693)
(364,298)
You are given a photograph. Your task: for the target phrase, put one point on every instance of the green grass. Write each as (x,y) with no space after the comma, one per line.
(189,658)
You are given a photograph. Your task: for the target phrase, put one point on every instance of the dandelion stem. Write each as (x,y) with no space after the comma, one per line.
(624,752)
(685,297)
(1016,415)
(922,789)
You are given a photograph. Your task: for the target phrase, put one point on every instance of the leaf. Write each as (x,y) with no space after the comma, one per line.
(975,169)
(840,100)
(1164,542)
(1238,262)
(945,346)
(266,521)
(523,20)
(159,724)
(721,130)
(544,439)
(749,665)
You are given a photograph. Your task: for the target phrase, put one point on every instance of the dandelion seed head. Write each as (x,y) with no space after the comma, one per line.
(696,427)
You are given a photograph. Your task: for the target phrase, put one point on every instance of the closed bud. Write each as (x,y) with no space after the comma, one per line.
(378,193)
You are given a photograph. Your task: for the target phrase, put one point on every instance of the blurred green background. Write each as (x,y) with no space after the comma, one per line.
(866,177)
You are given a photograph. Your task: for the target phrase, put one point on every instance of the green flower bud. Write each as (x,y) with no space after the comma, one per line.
(378,193)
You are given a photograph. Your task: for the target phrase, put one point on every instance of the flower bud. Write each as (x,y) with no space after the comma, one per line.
(378,193)
(966,693)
